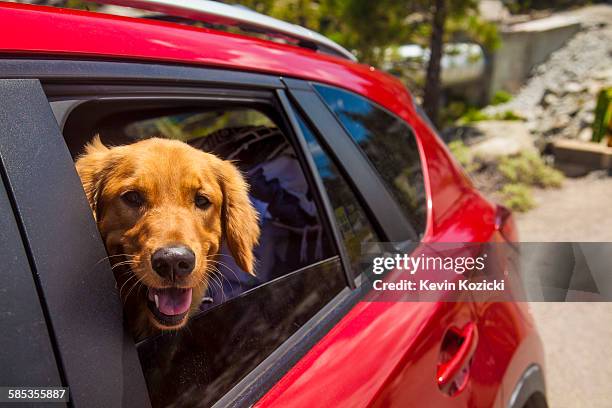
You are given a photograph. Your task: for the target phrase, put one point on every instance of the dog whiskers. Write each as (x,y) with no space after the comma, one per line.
(137,284)
(207,281)
(108,257)
(124,283)
(227,268)
(129,262)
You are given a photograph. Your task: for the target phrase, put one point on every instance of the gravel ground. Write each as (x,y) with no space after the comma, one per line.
(577,337)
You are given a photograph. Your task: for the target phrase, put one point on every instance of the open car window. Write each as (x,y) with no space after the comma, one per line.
(292,235)
(242,318)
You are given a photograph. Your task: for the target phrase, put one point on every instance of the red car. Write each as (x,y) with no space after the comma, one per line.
(344,157)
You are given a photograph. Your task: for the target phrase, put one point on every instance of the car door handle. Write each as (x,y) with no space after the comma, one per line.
(450,369)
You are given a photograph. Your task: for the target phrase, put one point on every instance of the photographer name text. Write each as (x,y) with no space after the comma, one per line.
(428,285)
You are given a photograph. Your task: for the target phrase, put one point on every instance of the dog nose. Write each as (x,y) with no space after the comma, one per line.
(173,262)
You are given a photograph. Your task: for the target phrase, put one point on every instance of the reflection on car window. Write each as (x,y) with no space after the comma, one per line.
(191,125)
(351,219)
(389,144)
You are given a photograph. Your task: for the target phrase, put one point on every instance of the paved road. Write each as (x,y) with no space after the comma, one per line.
(577,336)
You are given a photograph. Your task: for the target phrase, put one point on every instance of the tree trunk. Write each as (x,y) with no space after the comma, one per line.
(431,100)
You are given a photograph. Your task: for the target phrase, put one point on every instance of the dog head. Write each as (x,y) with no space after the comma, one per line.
(163,209)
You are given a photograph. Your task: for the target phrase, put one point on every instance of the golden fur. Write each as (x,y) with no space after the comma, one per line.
(167,174)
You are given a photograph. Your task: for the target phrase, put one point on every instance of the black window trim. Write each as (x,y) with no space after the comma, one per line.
(50,70)
(31,319)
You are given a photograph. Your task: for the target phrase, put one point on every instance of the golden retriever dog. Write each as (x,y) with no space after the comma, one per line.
(163,209)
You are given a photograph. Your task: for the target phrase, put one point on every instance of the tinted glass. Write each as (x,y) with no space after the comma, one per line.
(198,365)
(351,219)
(389,144)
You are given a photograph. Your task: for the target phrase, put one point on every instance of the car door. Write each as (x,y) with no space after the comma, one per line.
(234,352)
(380,353)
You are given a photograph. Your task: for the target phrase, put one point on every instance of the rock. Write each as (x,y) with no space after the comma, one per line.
(593,87)
(591,103)
(587,119)
(549,99)
(561,121)
(501,138)
(585,134)
(603,75)
(559,98)
(573,87)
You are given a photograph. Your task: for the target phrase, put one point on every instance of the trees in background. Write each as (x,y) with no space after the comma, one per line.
(431,94)
(370,29)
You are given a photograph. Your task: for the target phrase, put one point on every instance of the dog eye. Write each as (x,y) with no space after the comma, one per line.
(133,199)
(201,201)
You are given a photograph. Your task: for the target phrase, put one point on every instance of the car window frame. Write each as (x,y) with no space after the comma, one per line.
(244,100)
(48,74)
(380,206)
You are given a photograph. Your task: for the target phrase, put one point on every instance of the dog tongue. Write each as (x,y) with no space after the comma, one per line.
(172,301)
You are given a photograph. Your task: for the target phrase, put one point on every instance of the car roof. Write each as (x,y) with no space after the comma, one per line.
(50,31)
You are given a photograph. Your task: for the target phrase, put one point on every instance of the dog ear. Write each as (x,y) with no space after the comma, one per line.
(239,217)
(93,167)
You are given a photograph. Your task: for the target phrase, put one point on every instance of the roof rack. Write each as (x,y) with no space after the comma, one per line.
(243,18)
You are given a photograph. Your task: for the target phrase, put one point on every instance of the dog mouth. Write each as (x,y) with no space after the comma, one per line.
(169,306)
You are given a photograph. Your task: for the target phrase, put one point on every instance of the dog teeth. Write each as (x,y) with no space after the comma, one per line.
(157,301)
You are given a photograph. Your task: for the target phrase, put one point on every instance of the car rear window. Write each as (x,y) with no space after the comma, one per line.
(389,144)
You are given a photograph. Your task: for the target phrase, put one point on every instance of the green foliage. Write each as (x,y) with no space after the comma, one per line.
(522,171)
(472,115)
(529,168)
(368,28)
(602,125)
(512,179)
(464,155)
(475,115)
(517,197)
(508,115)
(500,97)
